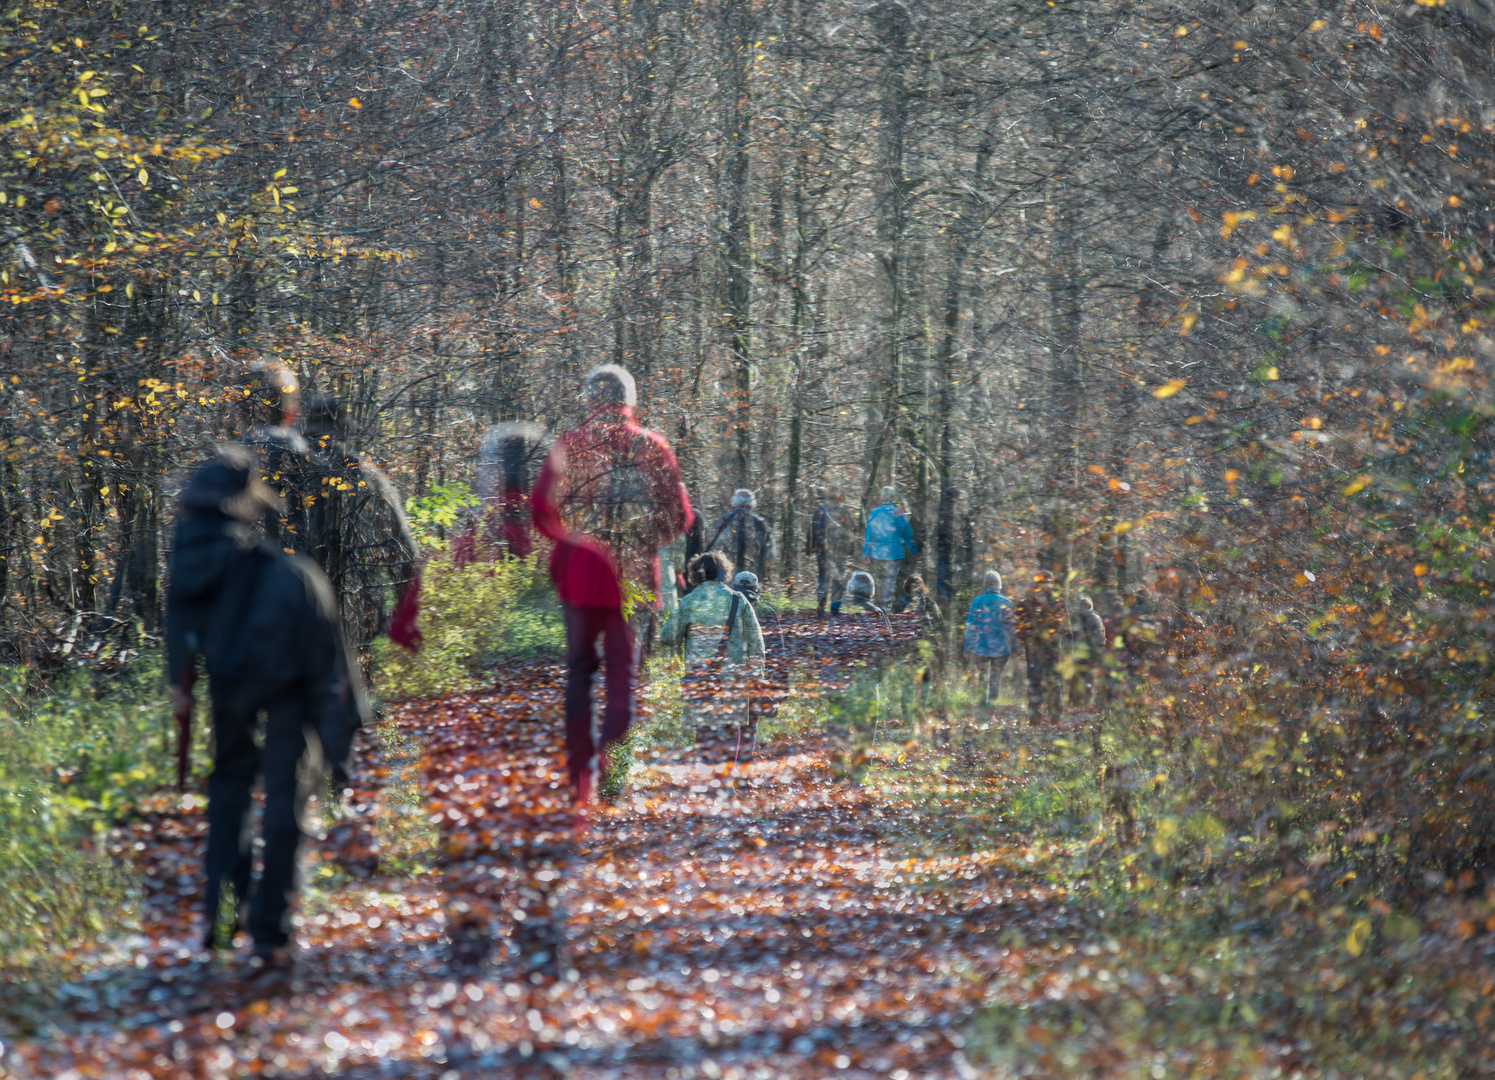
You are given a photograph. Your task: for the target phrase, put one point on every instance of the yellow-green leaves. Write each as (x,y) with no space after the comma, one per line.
(1358,937)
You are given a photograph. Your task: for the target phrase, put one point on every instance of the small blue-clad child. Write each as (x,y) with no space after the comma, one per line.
(990,631)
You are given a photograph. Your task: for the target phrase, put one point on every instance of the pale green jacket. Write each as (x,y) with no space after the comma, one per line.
(697,623)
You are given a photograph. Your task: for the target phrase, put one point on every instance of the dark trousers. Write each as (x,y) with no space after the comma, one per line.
(282,757)
(583,626)
(830,576)
(1043,680)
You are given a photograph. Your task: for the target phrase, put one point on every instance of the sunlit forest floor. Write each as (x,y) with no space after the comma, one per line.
(819,912)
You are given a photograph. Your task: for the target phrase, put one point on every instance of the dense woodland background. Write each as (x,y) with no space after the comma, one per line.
(1190,301)
(1187,296)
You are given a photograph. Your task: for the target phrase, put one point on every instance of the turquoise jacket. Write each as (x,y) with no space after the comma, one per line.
(889,535)
(989,625)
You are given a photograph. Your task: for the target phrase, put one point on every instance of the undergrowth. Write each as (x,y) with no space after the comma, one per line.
(79,753)
(471,616)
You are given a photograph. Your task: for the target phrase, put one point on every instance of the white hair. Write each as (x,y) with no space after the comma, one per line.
(1087,603)
(744,497)
(609,385)
(889,494)
(992,581)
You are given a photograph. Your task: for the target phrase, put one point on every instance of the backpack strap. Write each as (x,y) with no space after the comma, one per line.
(726,643)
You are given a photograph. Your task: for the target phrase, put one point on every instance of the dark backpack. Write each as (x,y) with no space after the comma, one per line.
(273,629)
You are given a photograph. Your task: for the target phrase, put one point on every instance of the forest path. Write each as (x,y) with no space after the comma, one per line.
(762,921)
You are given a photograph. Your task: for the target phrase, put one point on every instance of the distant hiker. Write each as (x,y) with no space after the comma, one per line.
(722,642)
(266,402)
(860,593)
(832,540)
(946,546)
(746,583)
(359,536)
(687,547)
(889,539)
(1089,655)
(742,536)
(991,625)
(610,496)
(917,601)
(509,461)
(1040,628)
(265,624)
(337,508)
(927,660)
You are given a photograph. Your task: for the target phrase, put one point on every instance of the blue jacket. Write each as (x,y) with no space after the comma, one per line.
(889,535)
(990,625)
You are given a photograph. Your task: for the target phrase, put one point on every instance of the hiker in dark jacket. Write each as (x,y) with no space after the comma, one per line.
(338,508)
(833,537)
(1040,628)
(1089,656)
(359,536)
(266,626)
(946,553)
(742,536)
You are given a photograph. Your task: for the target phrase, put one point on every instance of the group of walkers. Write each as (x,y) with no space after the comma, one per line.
(1093,655)
(287,547)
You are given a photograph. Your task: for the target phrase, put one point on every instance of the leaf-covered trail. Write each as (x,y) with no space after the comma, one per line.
(761,921)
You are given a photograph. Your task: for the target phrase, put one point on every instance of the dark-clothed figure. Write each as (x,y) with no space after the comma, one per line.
(742,536)
(1040,627)
(1090,655)
(266,626)
(834,530)
(509,461)
(339,508)
(918,601)
(359,536)
(946,546)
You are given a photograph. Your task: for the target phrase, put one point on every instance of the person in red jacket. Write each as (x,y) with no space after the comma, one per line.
(610,497)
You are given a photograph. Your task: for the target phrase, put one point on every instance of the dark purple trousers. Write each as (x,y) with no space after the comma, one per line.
(584,625)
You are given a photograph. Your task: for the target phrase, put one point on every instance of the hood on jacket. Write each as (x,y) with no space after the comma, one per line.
(204,545)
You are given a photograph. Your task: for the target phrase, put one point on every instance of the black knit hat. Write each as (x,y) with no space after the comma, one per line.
(230,483)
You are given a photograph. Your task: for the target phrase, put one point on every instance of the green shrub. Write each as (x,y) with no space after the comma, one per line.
(470,617)
(78,755)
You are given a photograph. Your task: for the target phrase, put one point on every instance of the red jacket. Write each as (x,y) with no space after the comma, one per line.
(610,496)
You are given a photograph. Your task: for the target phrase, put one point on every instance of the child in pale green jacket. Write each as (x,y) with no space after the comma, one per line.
(700,619)
(717,702)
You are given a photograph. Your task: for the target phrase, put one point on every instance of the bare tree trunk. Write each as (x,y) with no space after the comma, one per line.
(891,23)
(735,57)
(962,234)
